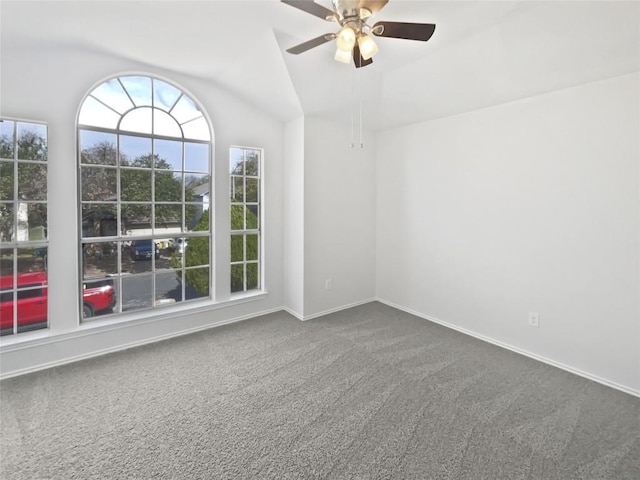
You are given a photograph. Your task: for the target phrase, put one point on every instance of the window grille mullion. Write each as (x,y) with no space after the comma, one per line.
(15,241)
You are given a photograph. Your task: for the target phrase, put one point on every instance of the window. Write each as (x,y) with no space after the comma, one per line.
(144,158)
(23,226)
(245,218)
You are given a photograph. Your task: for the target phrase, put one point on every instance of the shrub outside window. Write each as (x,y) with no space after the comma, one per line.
(245,218)
(144,155)
(23,226)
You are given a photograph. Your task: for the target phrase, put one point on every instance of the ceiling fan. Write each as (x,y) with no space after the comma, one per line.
(354,40)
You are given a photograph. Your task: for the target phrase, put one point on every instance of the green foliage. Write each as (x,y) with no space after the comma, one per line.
(237,255)
(6,146)
(237,217)
(102,153)
(252,162)
(6,222)
(32,146)
(99,184)
(176,260)
(32,177)
(32,181)
(197,253)
(238,252)
(252,276)
(237,249)
(6,180)
(237,278)
(247,166)
(241,252)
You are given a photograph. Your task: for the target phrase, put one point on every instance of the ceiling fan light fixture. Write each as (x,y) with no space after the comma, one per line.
(346,39)
(368,47)
(352,16)
(343,56)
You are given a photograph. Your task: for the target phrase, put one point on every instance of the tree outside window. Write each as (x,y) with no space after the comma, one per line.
(245,167)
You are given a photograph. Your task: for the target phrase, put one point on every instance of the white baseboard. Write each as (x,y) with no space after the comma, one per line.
(548,361)
(581,373)
(333,310)
(294,313)
(126,346)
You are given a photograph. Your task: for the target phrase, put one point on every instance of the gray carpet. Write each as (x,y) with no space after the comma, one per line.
(367,393)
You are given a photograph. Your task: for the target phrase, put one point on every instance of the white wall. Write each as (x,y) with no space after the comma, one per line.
(329,218)
(49,85)
(339,213)
(294,217)
(528,206)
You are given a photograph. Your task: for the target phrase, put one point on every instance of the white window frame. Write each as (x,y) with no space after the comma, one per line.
(245,231)
(15,244)
(120,237)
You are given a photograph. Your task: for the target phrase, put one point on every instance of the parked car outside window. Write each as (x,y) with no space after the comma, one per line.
(141,249)
(98,296)
(178,244)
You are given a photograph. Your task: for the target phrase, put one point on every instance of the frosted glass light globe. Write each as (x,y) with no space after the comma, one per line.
(368,47)
(346,39)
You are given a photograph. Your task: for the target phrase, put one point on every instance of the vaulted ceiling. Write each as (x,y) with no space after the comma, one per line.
(482,53)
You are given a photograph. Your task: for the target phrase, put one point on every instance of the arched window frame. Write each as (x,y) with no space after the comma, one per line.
(131,223)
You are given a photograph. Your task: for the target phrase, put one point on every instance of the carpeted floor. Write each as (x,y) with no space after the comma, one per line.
(366,393)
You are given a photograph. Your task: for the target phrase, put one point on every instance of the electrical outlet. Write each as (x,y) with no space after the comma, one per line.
(327,284)
(534,319)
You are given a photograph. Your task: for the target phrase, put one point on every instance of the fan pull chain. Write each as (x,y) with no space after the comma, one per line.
(360,99)
(352,108)
(357,89)
(356,96)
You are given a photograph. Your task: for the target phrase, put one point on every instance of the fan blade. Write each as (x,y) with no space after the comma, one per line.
(311,7)
(373,6)
(309,44)
(408,31)
(357,58)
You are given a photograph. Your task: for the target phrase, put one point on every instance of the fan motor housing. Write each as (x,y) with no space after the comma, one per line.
(346,8)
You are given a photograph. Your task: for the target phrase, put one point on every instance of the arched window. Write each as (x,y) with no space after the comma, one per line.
(144,157)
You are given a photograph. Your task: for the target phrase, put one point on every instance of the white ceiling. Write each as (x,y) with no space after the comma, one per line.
(482,53)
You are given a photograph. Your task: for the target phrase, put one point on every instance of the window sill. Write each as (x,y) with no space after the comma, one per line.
(45,336)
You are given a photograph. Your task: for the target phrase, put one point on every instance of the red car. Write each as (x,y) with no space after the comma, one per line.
(97,296)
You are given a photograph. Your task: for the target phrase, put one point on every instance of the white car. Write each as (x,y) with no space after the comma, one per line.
(178,244)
